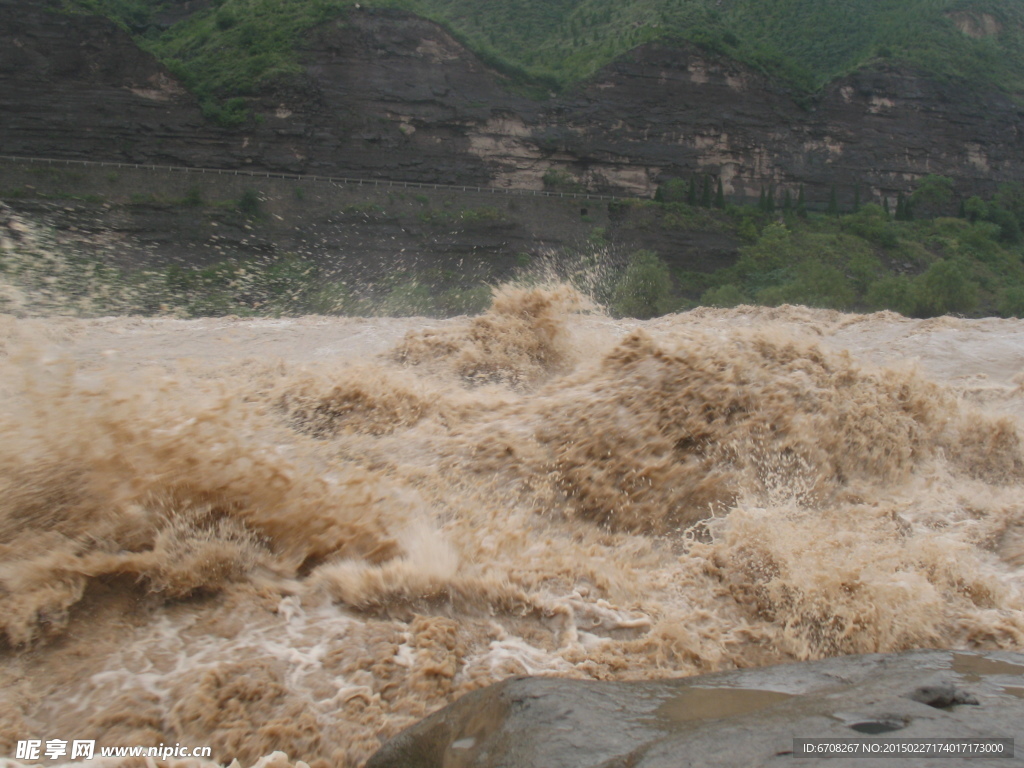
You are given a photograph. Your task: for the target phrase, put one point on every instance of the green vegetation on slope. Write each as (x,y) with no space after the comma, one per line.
(806,42)
(862,260)
(228,49)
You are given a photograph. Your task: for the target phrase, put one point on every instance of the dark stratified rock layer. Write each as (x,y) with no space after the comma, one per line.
(743,718)
(386,94)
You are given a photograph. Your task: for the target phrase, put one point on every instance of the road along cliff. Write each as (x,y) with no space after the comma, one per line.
(386,94)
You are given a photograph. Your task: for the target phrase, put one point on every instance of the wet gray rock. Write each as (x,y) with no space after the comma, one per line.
(740,718)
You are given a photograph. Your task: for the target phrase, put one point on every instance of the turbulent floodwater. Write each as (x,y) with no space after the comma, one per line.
(304,535)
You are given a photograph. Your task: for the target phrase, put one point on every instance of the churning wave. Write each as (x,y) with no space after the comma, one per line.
(305,551)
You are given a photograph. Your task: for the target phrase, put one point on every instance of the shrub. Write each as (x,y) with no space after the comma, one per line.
(672,191)
(945,288)
(773,296)
(225,19)
(249,204)
(871,223)
(724,296)
(748,230)
(193,198)
(773,249)
(933,196)
(558,180)
(863,267)
(980,241)
(643,289)
(816,285)
(1011,301)
(821,285)
(893,292)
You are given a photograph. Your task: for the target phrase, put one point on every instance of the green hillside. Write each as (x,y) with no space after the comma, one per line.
(228,49)
(805,42)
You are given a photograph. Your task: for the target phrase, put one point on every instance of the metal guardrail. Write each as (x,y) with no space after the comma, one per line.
(316,178)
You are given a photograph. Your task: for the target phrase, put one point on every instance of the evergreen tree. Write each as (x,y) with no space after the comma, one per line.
(885,207)
(770,200)
(801,203)
(762,203)
(705,197)
(787,203)
(719,195)
(901,207)
(856,199)
(963,210)
(833,202)
(691,194)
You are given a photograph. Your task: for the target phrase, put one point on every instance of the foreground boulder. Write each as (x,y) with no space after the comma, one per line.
(741,718)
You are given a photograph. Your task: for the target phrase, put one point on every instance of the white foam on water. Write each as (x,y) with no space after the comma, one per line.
(319,530)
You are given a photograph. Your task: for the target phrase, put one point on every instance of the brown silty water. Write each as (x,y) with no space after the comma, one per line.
(305,534)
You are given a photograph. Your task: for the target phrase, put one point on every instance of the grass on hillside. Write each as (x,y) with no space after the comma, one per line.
(225,52)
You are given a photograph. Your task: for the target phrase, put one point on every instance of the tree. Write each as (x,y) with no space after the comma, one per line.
(820,285)
(643,289)
(770,200)
(801,203)
(719,195)
(856,199)
(249,204)
(787,203)
(1010,197)
(774,249)
(691,194)
(996,212)
(901,208)
(945,288)
(671,191)
(895,292)
(724,296)
(705,197)
(933,195)
(833,202)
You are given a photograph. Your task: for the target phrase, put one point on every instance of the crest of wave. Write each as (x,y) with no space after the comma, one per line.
(858,578)
(173,483)
(364,399)
(522,339)
(659,436)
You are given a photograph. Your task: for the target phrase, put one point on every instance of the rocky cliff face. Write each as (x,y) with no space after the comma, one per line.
(386,94)
(78,86)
